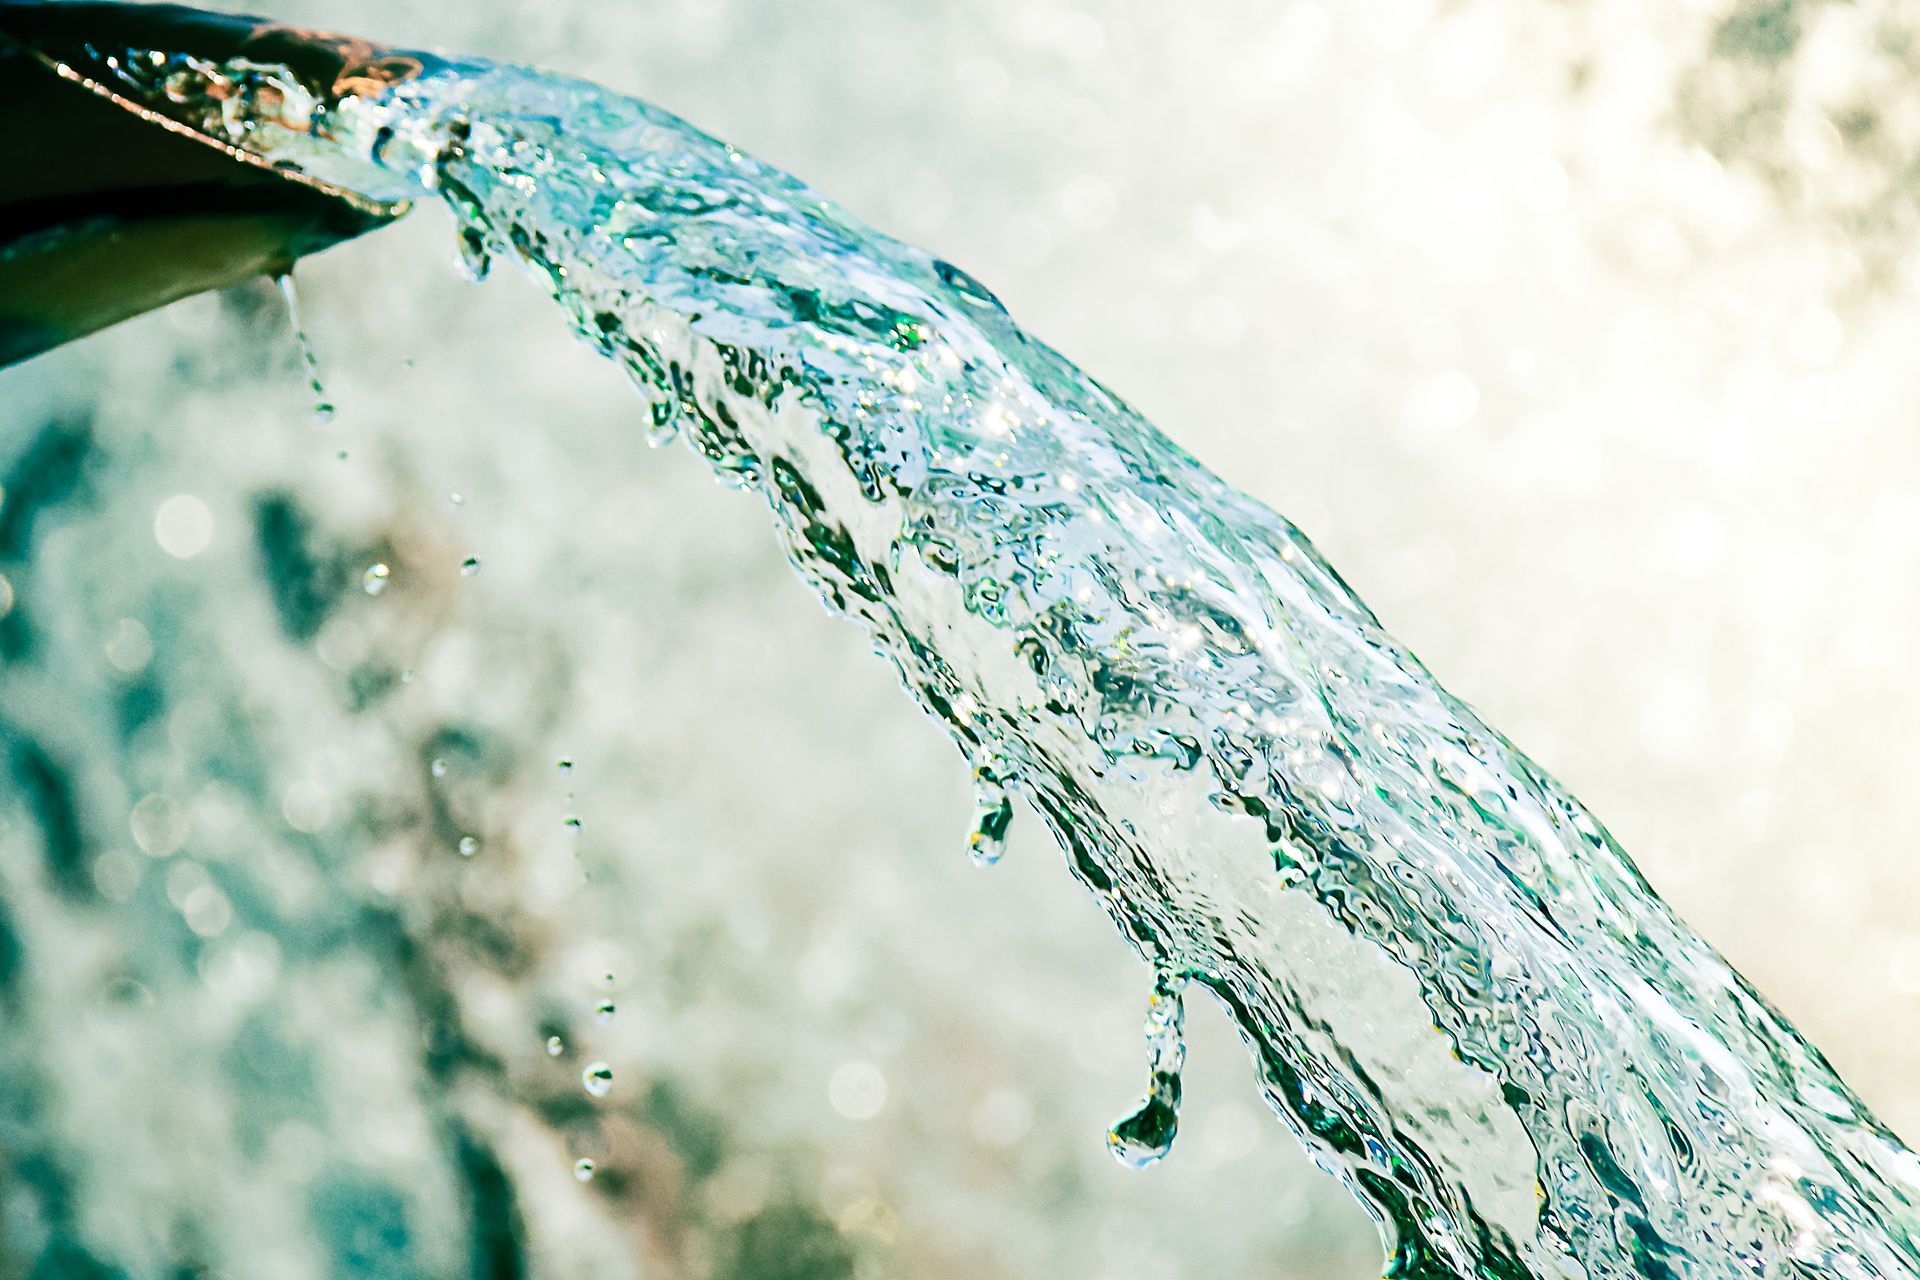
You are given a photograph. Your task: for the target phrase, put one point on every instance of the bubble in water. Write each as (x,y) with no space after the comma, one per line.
(469,566)
(438,768)
(993,814)
(469,845)
(583,1170)
(374,580)
(555,1046)
(598,1079)
(1147,1135)
(603,1012)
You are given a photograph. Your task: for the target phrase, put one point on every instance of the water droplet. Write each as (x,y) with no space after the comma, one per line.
(583,1170)
(564,764)
(469,566)
(607,978)
(374,580)
(572,823)
(993,814)
(598,1079)
(555,1046)
(406,677)
(603,1012)
(476,258)
(1147,1134)
(438,768)
(457,500)
(469,845)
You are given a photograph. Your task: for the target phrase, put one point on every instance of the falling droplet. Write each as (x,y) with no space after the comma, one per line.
(583,1170)
(607,978)
(476,258)
(564,764)
(406,677)
(572,823)
(663,423)
(992,815)
(555,1046)
(322,408)
(469,845)
(438,768)
(598,1079)
(374,580)
(469,566)
(603,1012)
(1147,1135)
(457,500)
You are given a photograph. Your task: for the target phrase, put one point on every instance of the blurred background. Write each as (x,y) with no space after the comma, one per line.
(1580,335)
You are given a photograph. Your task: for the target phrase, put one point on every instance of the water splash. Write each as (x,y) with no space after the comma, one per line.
(1458,991)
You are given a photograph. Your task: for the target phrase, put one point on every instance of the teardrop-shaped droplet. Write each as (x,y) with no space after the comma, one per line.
(583,1170)
(469,566)
(469,845)
(1147,1134)
(555,1046)
(476,256)
(598,1079)
(663,421)
(992,816)
(603,1012)
(374,580)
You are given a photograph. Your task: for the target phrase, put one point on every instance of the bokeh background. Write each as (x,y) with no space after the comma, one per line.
(1580,335)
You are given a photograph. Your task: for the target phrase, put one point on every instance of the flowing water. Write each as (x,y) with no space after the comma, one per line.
(1457,990)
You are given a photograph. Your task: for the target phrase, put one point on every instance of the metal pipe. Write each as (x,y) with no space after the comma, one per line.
(112,205)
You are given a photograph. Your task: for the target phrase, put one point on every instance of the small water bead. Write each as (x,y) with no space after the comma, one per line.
(583,1170)
(1146,1135)
(571,823)
(457,500)
(469,845)
(598,1079)
(374,580)
(555,1046)
(993,815)
(438,768)
(603,1012)
(564,764)
(469,566)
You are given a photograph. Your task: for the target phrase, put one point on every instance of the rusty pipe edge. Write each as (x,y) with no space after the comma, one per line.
(119,197)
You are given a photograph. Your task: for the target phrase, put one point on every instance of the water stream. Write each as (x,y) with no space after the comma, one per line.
(1457,990)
